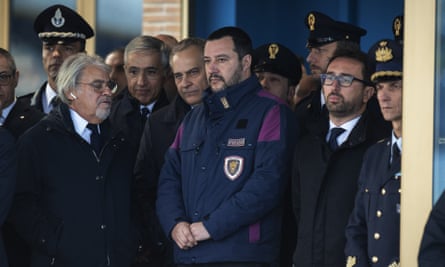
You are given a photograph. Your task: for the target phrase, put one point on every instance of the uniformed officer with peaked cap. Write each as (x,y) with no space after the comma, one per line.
(278,70)
(277,58)
(324,30)
(325,37)
(373,229)
(61,24)
(63,32)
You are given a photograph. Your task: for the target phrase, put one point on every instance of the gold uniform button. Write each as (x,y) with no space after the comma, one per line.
(366,190)
(379,213)
(376,236)
(400,190)
(383,192)
(374,259)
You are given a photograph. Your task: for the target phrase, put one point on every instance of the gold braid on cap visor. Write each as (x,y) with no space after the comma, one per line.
(386,73)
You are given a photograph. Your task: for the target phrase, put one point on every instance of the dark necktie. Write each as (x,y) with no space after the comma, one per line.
(395,155)
(95,139)
(144,114)
(335,132)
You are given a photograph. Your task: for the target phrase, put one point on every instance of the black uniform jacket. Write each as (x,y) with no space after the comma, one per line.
(373,230)
(324,184)
(72,206)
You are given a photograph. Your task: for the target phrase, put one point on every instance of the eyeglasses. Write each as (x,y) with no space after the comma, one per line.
(99,87)
(344,80)
(5,79)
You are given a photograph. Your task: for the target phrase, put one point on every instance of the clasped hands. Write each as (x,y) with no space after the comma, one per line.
(188,235)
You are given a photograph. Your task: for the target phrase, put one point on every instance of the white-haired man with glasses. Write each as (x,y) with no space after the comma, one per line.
(73,202)
(328,161)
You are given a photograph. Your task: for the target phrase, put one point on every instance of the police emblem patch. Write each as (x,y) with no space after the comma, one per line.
(233,166)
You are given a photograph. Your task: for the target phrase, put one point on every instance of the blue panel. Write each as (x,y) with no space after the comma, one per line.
(283,20)
(211,15)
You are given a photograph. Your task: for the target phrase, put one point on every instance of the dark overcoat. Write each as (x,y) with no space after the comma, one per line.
(8,170)
(324,185)
(73,207)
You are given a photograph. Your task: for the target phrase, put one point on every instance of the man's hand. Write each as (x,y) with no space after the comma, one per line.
(199,231)
(183,236)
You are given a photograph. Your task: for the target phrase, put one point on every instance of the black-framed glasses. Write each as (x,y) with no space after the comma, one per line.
(344,80)
(100,86)
(5,78)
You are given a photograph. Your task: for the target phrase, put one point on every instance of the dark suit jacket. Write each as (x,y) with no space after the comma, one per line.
(22,117)
(159,132)
(8,170)
(125,114)
(19,120)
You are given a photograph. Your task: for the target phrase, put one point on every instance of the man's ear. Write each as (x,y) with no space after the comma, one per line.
(368,92)
(246,62)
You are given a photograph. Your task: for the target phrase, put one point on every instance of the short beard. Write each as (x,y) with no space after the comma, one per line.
(103,113)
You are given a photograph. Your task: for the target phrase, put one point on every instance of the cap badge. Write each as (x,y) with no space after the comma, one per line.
(273,51)
(58,21)
(311,21)
(383,53)
(397,26)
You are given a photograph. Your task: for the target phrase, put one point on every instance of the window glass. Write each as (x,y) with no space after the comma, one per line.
(117,22)
(439,120)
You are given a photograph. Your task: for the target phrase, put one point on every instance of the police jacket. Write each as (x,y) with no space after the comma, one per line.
(72,206)
(373,230)
(324,185)
(227,168)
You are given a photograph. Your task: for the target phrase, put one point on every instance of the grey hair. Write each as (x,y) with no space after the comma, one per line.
(11,63)
(186,43)
(72,70)
(146,43)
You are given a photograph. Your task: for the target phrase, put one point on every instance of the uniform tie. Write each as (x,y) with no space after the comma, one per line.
(95,139)
(335,132)
(395,154)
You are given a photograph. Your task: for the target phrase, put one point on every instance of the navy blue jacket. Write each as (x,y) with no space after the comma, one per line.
(432,247)
(372,234)
(227,168)
(8,169)
(73,208)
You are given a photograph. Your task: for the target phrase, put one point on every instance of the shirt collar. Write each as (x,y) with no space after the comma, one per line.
(394,139)
(348,126)
(149,106)
(5,112)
